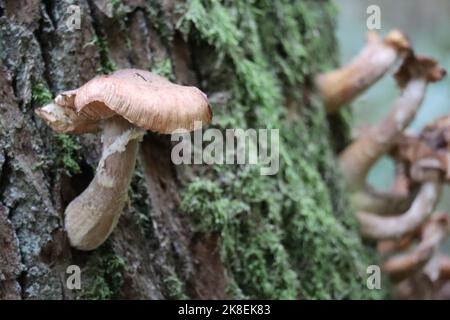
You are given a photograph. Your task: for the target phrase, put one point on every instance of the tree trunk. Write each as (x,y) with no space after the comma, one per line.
(199,231)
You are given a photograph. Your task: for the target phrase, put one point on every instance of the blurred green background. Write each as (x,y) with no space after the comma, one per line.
(427,23)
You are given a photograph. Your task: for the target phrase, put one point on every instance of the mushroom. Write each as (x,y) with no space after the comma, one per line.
(424,160)
(398,199)
(434,142)
(444,267)
(380,228)
(124,105)
(377,57)
(426,286)
(431,147)
(413,77)
(421,279)
(63,119)
(422,271)
(433,233)
(384,203)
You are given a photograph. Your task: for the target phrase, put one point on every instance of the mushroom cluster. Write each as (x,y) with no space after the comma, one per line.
(403,218)
(341,86)
(412,257)
(122,105)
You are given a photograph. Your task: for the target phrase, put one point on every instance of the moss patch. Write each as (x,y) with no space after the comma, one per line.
(163,68)
(140,199)
(174,287)
(290,235)
(104,275)
(107,64)
(68,156)
(67,146)
(40,93)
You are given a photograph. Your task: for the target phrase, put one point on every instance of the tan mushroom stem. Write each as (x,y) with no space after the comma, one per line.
(386,248)
(395,201)
(378,227)
(402,266)
(444,267)
(413,76)
(382,203)
(357,159)
(92,216)
(378,56)
(402,183)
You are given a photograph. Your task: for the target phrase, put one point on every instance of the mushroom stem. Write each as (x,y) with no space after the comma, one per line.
(444,267)
(357,159)
(397,200)
(382,203)
(92,216)
(387,248)
(377,57)
(400,267)
(382,228)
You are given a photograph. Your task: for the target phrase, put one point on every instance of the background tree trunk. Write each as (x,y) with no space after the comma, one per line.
(188,231)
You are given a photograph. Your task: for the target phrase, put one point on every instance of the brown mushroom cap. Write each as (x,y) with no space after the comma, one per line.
(398,40)
(144,99)
(416,66)
(432,234)
(66,120)
(430,149)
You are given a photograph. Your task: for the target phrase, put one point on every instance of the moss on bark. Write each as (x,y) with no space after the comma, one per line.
(291,235)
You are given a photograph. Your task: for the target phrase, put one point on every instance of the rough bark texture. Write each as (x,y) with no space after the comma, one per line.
(188,231)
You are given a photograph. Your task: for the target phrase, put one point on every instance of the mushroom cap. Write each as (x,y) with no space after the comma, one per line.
(419,67)
(147,100)
(398,40)
(65,120)
(437,133)
(429,150)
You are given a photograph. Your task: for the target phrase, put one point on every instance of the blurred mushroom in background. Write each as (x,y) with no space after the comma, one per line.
(341,86)
(401,220)
(419,269)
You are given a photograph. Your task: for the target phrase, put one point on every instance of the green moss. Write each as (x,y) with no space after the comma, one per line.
(291,234)
(104,275)
(68,153)
(174,287)
(209,206)
(115,4)
(68,148)
(141,201)
(40,93)
(163,68)
(162,20)
(107,65)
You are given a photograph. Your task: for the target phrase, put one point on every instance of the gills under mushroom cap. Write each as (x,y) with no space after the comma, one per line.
(144,99)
